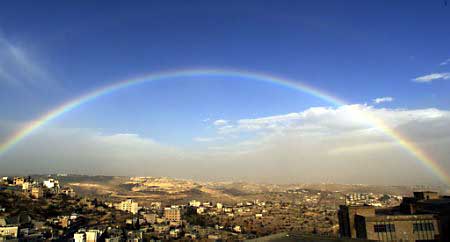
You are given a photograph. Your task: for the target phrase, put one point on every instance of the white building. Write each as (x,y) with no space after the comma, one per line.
(51,183)
(195,203)
(237,229)
(26,186)
(79,237)
(219,205)
(128,205)
(174,233)
(200,210)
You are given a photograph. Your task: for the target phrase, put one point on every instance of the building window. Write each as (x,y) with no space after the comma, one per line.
(382,228)
(427,226)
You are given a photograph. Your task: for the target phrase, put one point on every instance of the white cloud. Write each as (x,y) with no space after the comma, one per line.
(383,99)
(220,122)
(322,141)
(307,146)
(432,77)
(341,119)
(446,62)
(347,115)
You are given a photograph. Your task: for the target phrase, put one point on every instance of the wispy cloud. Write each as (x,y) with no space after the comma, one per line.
(220,122)
(432,77)
(446,62)
(206,139)
(19,68)
(383,100)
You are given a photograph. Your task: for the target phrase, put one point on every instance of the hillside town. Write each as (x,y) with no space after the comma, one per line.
(32,209)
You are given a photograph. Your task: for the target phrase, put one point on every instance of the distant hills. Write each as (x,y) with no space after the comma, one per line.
(171,190)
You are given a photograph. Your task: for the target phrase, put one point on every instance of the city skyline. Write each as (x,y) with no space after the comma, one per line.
(276,93)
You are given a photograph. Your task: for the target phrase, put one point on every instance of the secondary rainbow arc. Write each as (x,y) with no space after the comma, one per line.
(412,148)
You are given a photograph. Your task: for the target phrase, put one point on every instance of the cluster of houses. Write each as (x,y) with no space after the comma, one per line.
(35,189)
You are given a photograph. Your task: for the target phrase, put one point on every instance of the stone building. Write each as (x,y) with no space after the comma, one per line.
(172,214)
(19,180)
(37,192)
(9,232)
(347,214)
(68,191)
(398,227)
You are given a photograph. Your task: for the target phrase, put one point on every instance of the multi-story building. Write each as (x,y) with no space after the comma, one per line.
(172,214)
(37,192)
(408,222)
(398,227)
(150,218)
(52,185)
(92,235)
(128,205)
(19,180)
(26,186)
(355,198)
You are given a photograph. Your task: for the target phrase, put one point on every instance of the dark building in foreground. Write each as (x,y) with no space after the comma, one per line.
(295,237)
(424,217)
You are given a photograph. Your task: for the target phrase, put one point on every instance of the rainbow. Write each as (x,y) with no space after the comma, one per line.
(410,147)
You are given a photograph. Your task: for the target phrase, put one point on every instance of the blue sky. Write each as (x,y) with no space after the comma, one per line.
(357,51)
